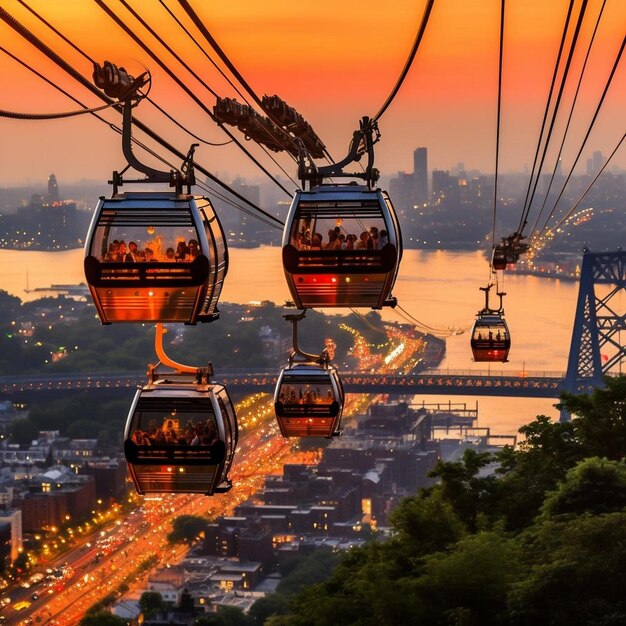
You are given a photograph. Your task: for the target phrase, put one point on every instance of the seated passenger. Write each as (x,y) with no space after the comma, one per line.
(383,238)
(193,250)
(150,256)
(181,252)
(364,242)
(316,243)
(121,252)
(170,256)
(374,238)
(112,253)
(132,256)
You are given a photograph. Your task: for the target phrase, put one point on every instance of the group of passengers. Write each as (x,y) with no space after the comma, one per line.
(490,337)
(371,239)
(119,253)
(294,395)
(200,433)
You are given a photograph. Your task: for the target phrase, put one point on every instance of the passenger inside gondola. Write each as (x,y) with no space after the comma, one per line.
(341,234)
(110,246)
(305,394)
(183,431)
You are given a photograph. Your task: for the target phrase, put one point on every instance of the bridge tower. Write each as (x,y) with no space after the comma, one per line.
(597,346)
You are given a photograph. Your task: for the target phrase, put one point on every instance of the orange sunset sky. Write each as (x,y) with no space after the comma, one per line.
(333,61)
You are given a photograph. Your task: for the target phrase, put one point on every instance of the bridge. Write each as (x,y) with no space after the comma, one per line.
(596,351)
(442,382)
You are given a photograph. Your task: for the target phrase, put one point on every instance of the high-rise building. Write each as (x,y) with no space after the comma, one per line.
(53,189)
(420,175)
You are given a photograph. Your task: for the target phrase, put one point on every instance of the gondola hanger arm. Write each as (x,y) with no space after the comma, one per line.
(165,360)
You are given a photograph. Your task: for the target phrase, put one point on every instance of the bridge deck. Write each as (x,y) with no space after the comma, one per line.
(441,382)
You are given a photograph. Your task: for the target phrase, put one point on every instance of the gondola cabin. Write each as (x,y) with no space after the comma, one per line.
(308,400)
(181,438)
(490,340)
(341,247)
(155,257)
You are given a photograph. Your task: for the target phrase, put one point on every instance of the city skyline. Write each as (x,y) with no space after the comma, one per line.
(447,103)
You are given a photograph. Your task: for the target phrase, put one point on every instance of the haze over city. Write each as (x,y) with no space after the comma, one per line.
(334,63)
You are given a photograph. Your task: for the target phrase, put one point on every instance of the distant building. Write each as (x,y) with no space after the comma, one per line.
(420,176)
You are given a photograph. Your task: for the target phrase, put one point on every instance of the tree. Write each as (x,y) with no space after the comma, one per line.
(576,572)
(102,618)
(151,602)
(23,431)
(187,529)
(593,486)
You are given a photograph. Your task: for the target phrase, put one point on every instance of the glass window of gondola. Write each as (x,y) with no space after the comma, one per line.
(309,391)
(146,229)
(339,226)
(163,422)
(486,331)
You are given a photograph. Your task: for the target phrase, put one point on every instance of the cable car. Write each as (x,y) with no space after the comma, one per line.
(181,436)
(341,247)
(308,400)
(490,340)
(155,257)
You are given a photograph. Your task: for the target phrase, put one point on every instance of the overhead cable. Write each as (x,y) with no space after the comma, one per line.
(199,24)
(569,119)
(50,116)
(524,214)
(591,184)
(555,111)
(46,50)
(112,126)
(589,129)
(180,83)
(495,182)
(80,51)
(407,66)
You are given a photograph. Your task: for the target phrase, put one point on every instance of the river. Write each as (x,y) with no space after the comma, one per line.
(439,288)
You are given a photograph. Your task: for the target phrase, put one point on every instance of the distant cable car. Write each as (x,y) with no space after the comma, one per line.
(155,257)
(309,396)
(152,256)
(309,400)
(342,245)
(181,435)
(490,339)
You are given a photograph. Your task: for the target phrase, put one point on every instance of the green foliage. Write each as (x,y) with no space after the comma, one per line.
(23,431)
(592,486)
(576,573)
(102,618)
(186,529)
(151,602)
(543,541)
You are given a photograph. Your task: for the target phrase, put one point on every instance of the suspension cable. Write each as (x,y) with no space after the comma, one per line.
(51,116)
(112,126)
(199,24)
(80,51)
(194,74)
(138,143)
(184,128)
(47,51)
(555,111)
(498,116)
(591,124)
(569,119)
(203,51)
(524,214)
(407,66)
(182,85)
(591,184)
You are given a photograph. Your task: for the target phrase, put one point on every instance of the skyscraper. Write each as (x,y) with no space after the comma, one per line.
(53,189)
(420,173)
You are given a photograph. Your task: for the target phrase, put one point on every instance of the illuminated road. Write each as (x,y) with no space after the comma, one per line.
(113,556)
